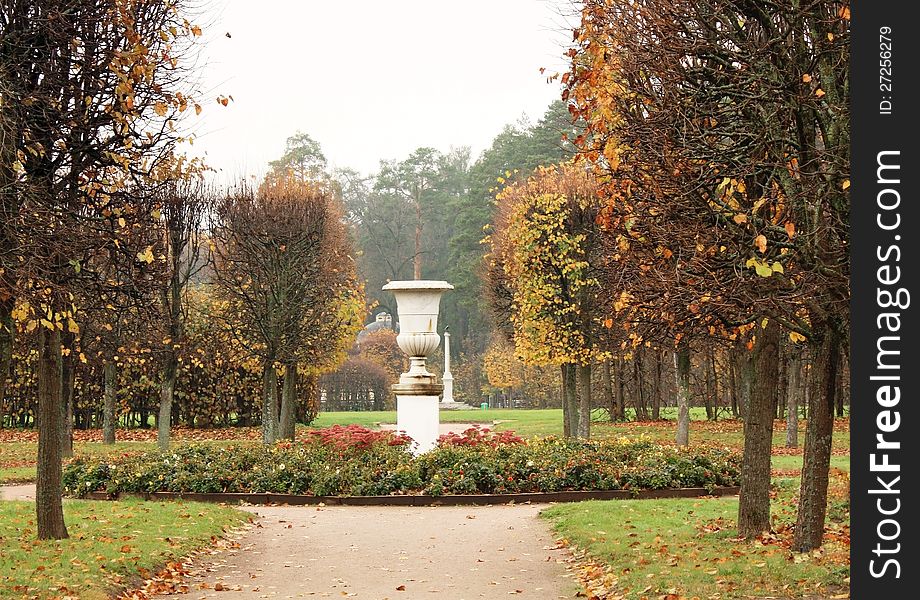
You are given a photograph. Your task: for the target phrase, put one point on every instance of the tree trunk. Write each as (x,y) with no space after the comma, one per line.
(7,338)
(109,376)
(417,259)
(656,389)
(792,399)
(584,401)
(839,392)
(609,398)
(809,528)
(167,396)
(48,485)
(716,400)
(782,384)
(747,383)
(682,366)
(733,386)
(621,390)
(67,384)
(570,400)
(638,376)
(288,402)
(754,502)
(269,403)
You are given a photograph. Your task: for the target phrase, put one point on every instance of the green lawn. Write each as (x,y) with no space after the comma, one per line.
(653,548)
(789,462)
(524,422)
(112,545)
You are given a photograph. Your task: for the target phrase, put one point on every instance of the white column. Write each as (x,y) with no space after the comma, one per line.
(447,379)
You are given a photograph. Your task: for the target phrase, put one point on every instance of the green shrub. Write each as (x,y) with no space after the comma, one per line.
(349,463)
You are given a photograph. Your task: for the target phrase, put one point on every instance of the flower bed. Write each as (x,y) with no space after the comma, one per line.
(353,461)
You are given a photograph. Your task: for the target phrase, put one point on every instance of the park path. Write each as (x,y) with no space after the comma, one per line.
(381,552)
(377,553)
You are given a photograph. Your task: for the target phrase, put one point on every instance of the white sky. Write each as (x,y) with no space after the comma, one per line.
(371,80)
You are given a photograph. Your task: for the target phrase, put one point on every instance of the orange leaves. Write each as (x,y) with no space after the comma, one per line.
(761,243)
(790,229)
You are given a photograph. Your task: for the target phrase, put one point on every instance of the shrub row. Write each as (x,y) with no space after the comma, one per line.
(327,464)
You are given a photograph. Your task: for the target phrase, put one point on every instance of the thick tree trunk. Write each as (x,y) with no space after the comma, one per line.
(167,396)
(109,377)
(269,403)
(584,401)
(609,398)
(67,384)
(48,485)
(809,528)
(792,399)
(754,502)
(288,402)
(682,366)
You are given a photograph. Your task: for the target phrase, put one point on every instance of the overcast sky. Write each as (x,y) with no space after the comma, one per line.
(369,79)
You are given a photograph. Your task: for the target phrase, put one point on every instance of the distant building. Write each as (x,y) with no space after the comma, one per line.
(384,320)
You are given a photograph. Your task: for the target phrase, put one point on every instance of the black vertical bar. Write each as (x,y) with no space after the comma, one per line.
(884,261)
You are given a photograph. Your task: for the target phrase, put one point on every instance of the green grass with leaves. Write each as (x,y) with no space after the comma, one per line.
(687,548)
(111,545)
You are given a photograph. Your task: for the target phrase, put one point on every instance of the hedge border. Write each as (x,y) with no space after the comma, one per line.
(422,500)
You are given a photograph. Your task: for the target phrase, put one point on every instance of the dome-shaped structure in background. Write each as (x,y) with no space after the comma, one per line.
(384,320)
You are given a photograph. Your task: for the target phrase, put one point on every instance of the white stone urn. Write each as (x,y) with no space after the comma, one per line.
(418,304)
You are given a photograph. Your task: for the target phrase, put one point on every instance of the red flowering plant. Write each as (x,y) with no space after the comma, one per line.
(475,436)
(355,437)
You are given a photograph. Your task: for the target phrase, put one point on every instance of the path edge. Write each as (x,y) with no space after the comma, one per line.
(421,500)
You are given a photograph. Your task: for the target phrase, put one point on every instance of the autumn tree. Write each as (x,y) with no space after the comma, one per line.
(544,263)
(91,93)
(183,207)
(281,260)
(729,126)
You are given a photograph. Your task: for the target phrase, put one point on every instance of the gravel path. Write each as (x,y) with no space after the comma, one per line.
(377,553)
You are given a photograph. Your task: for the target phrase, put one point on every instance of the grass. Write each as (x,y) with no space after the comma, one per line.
(112,545)
(653,548)
(525,422)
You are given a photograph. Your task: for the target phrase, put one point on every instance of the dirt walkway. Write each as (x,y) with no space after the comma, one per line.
(377,553)
(25,491)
